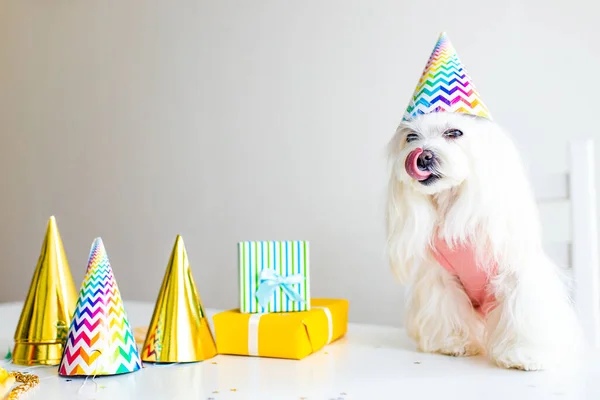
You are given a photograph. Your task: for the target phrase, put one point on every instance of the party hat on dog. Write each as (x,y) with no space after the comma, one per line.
(49,305)
(179,330)
(100,340)
(445,86)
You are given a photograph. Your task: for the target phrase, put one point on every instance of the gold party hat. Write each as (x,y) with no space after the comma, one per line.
(179,330)
(42,330)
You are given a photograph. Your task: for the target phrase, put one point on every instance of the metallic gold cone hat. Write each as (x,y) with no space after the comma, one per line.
(100,339)
(179,330)
(49,306)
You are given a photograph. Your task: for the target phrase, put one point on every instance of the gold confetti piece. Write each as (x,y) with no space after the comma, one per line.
(216,391)
(326,352)
(214,362)
(233,390)
(27,381)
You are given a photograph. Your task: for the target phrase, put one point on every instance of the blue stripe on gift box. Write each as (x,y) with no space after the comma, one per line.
(280,260)
(250,278)
(257,307)
(294,305)
(268,261)
(307,274)
(262,266)
(300,270)
(287,272)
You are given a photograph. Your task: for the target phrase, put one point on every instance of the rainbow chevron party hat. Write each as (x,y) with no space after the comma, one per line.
(445,86)
(100,339)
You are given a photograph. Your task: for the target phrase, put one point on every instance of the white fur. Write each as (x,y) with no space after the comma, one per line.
(483,197)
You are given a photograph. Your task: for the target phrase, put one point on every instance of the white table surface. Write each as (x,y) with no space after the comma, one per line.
(370,362)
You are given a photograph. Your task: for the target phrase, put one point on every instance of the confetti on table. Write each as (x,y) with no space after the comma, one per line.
(417,362)
(233,390)
(8,355)
(27,381)
(214,362)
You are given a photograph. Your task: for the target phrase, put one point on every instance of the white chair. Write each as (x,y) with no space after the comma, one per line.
(568,211)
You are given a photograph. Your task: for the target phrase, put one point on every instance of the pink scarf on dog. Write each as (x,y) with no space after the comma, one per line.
(461,262)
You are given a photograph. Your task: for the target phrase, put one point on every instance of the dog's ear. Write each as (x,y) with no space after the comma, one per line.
(395,144)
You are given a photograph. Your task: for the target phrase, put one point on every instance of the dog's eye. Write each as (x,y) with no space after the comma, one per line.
(453,133)
(411,137)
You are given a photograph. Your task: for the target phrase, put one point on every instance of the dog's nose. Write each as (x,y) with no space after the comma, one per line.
(425,159)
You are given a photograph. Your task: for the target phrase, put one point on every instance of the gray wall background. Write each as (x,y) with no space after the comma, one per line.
(234,120)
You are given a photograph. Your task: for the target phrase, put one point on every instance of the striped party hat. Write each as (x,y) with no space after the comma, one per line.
(100,340)
(445,86)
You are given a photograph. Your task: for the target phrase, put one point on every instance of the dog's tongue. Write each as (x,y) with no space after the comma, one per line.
(411,166)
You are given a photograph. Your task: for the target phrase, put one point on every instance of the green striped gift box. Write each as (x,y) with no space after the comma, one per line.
(285,259)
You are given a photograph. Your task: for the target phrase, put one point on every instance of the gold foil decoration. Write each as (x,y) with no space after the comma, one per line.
(41,333)
(179,330)
(27,382)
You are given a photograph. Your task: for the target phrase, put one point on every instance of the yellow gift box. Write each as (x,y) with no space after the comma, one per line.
(292,335)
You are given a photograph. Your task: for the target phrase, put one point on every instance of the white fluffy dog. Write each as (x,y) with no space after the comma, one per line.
(464,237)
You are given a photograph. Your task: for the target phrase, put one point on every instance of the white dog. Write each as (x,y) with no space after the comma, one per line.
(464,237)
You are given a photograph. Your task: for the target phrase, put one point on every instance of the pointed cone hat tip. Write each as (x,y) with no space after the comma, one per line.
(52,227)
(445,86)
(179,249)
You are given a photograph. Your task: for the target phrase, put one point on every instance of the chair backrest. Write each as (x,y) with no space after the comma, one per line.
(567,204)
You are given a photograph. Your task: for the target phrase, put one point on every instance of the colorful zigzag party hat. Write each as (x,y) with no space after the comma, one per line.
(179,330)
(100,340)
(445,86)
